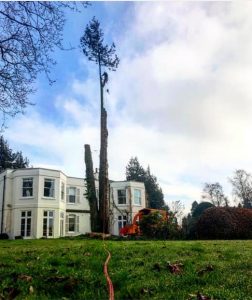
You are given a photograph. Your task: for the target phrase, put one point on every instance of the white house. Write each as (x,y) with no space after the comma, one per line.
(38,202)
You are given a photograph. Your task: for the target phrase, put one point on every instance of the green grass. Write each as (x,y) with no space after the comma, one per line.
(73,269)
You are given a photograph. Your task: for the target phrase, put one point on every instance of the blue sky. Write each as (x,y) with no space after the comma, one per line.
(179,101)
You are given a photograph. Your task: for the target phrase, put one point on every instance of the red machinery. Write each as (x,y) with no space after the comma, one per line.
(134,229)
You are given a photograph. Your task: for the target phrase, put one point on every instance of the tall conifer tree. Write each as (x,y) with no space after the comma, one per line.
(92,44)
(91,190)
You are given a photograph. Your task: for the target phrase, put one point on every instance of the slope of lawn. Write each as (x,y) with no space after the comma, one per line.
(73,269)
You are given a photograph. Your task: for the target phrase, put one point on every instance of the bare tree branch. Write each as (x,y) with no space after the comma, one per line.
(29,32)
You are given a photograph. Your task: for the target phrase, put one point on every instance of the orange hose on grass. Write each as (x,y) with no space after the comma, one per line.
(109,282)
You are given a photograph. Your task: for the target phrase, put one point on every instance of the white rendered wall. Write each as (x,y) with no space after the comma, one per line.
(15,203)
(131,208)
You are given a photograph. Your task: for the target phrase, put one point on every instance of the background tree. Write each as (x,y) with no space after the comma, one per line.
(29,33)
(194,205)
(92,44)
(242,187)
(134,171)
(155,196)
(201,207)
(177,208)
(189,223)
(10,159)
(214,193)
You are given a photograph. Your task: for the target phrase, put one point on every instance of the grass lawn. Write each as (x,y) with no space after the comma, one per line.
(73,269)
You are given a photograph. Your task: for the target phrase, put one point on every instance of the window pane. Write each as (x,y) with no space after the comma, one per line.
(27,187)
(28,227)
(27,192)
(48,222)
(27,182)
(25,228)
(46,192)
(22,227)
(49,188)
(137,197)
(71,199)
(50,229)
(48,183)
(122,221)
(121,193)
(44,227)
(71,223)
(72,195)
(119,225)
(72,191)
(121,196)
(71,226)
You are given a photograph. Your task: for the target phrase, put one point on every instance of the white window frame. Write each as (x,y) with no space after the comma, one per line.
(76,195)
(121,221)
(24,195)
(48,215)
(120,197)
(51,190)
(76,223)
(26,220)
(137,198)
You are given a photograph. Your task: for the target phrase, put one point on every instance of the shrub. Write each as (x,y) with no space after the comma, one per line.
(225,223)
(154,226)
(4,236)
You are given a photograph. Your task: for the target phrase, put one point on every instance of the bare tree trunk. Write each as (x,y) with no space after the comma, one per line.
(91,191)
(103,168)
(103,174)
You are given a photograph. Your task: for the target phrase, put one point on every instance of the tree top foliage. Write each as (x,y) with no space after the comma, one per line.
(30,30)
(92,44)
(135,172)
(9,158)
(200,208)
(242,187)
(214,193)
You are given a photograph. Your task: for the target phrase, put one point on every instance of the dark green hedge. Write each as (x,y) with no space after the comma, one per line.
(225,223)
